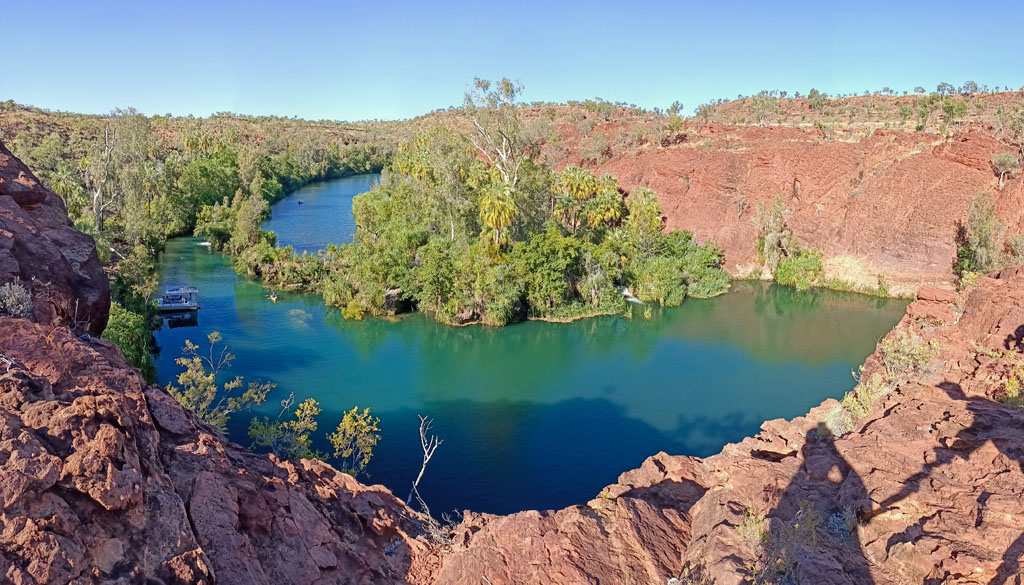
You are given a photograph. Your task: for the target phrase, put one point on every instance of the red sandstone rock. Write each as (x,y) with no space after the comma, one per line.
(884,206)
(39,248)
(96,489)
(936,295)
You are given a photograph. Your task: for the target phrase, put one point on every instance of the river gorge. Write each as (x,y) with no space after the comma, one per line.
(521,408)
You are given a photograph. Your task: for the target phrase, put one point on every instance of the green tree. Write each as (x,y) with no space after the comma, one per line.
(205,181)
(64,181)
(549,266)
(200,390)
(984,235)
(131,333)
(763,106)
(644,223)
(775,239)
(954,110)
(1005,163)
(246,233)
(705,112)
(354,440)
(437,275)
(606,207)
(135,279)
(816,100)
(494,110)
(498,211)
(576,185)
(289,439)
(444,160)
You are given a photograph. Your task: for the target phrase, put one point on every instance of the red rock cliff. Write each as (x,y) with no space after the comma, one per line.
(887,204)
(106,480)
(40,248)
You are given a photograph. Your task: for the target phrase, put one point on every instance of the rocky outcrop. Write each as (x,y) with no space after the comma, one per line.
(884,205)
(928,488)
(104,479)
(41,250)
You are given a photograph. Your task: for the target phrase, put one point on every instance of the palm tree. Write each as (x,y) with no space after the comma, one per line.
(607,208)
(64,182)
(579,183)
(497,210)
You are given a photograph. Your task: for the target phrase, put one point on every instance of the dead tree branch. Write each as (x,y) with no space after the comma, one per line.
(429,443)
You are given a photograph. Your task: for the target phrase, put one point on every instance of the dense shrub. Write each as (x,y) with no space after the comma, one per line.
(131,333)
(15,300)
(802,270)
(906,353)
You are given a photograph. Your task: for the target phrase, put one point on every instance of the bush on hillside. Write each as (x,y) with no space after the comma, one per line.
(15,301)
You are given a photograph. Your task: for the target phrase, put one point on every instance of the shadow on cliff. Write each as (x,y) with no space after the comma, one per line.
(990,424)
(812,536)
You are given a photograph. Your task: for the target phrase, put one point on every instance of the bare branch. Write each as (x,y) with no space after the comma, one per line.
(429,443)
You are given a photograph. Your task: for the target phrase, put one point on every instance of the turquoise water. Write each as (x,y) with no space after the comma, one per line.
(533,415)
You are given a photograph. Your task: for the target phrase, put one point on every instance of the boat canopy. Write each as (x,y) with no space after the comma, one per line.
(178,298)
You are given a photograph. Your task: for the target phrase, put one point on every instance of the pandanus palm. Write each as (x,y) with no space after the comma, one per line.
(606,207)
(497,211)
(63,181)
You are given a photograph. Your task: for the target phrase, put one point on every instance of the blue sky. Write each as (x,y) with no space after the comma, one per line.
(388,60)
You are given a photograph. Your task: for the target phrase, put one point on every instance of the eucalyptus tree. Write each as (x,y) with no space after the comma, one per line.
(763,106)
(494,110)
(116,171)
(444,160)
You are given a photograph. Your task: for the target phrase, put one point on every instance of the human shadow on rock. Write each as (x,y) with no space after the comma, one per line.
(812,530)
(993,422)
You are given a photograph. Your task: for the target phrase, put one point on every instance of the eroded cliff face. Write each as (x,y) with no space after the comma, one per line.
(104,479)
(885,205)
(40,249)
